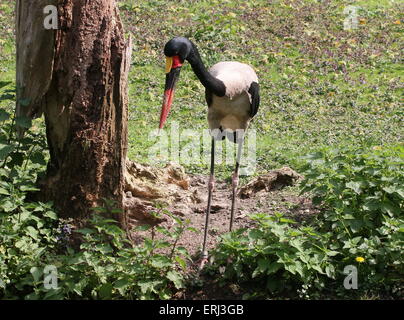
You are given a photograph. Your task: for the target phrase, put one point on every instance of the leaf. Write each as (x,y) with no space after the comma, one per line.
(4,83)
(400,192)
(17,159)
(356,240)
(4,191)
(20,243)
(356,225)
(32,232)
(29,188)
(318,268)
(332,253)
(108,221)
(7,96)
(176,278)
(299,268)
(192,229)
(143,227)
(315,155)
(160,262)
(38,158)
(273,267)
(5,150)
(54,295)
(355,186)
(291,268)
(23,122)
(36,273)
(148,285)
(330,271)
(105,291)
(394,189)
(104,248)
(389,189)
(348,216)
(298,244)
(181,262)
(4,115)
(263,264)
(371,205)
(389,208)
(85,231)
(8,206)
(121,283)
(255,273)
(284,220)
(50,214)
(255,234)
(32,296)
(182,250)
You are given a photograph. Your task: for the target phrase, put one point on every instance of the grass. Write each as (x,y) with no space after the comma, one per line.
(320,85)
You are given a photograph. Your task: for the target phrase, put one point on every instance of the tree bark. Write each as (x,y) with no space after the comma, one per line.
(83,98)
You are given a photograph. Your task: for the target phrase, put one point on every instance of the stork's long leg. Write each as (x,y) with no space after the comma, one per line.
(234,181)
(211,186)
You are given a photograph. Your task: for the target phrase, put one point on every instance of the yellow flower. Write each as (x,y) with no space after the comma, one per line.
(360,259)
(397,22)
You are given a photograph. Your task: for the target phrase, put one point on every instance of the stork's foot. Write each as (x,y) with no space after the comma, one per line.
(202,261)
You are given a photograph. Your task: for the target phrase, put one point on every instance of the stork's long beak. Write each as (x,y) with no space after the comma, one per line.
(172,76)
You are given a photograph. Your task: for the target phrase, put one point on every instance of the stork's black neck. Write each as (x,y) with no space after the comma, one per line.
(211,83)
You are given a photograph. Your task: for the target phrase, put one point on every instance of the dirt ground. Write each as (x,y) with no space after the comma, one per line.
(265,194)
(281,200)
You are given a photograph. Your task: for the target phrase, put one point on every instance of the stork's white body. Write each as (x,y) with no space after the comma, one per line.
(232,111)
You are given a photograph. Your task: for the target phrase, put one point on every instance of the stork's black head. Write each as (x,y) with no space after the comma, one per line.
(176,50)
(178,46)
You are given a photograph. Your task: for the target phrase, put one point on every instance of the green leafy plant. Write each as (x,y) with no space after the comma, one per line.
(274,257)
(105,266)
(109,266)
(27,238)
(361,224)
(363,199)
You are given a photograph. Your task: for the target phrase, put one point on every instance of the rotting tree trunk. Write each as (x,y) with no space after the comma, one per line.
(77,76)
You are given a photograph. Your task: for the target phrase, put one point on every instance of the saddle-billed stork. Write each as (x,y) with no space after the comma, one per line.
(232,95)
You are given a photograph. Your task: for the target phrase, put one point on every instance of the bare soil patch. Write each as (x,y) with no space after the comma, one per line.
(186,196)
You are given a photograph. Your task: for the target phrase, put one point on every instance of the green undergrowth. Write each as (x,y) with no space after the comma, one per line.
(361,224)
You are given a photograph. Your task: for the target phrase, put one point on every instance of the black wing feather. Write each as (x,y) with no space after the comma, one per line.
(254,91)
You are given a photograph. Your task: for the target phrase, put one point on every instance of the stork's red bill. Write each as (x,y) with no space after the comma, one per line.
(173,68)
